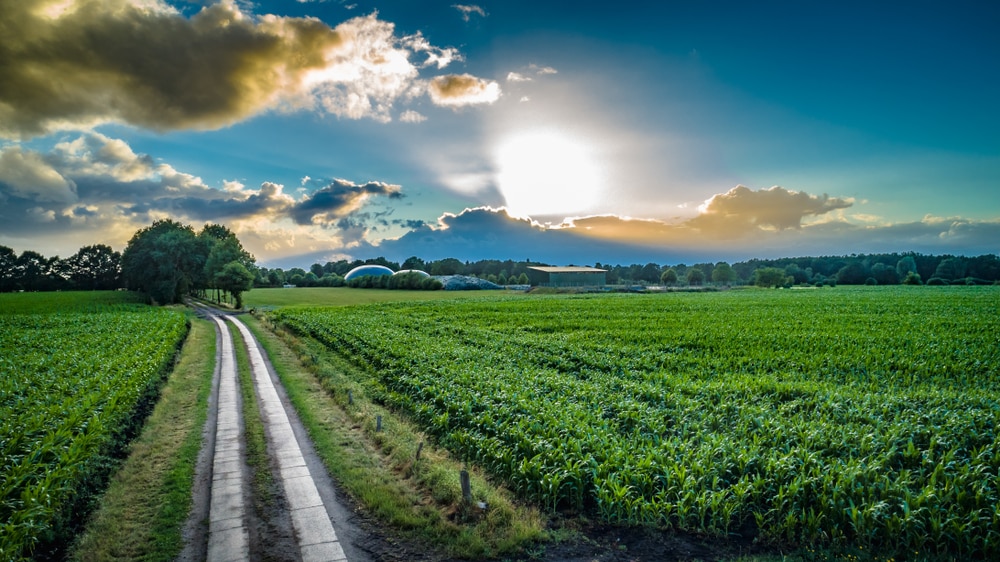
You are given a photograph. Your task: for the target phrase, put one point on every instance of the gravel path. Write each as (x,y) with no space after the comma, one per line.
(309,504)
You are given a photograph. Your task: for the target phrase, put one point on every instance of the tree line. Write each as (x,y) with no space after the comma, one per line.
(166,260)
(331,274)
(855,269)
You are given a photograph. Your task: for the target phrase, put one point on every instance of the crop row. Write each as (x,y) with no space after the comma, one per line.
(852,418)
(71,386)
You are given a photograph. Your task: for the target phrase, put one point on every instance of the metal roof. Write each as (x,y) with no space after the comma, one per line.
(569,269)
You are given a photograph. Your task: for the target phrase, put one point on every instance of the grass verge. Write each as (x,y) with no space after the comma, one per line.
(143,512)
(422,498)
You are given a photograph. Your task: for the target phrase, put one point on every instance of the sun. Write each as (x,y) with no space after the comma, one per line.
(548,172)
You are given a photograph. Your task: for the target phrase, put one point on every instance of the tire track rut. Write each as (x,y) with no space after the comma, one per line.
(309,495)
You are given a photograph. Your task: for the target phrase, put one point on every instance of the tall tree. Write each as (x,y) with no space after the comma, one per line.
(235,279)
(96,267)
(413,262)
(723,273)
(852,274)
(950,269)
(695,276)
(885,274)
(162,260)
(669,277)
(905,265)
(8,269)
(221,247)
(650,273)
(770,277)
(32,270)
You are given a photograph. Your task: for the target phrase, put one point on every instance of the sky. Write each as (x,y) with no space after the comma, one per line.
(556,131)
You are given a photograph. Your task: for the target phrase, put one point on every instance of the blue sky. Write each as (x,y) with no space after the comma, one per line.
(569,132)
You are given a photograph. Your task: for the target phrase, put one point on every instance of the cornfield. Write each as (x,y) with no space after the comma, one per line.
(72,381)
(855,418)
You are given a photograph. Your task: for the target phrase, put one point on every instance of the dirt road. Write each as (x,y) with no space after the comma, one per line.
(303,519)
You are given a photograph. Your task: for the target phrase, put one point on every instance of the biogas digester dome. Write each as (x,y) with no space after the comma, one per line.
(416,271)
(366,270)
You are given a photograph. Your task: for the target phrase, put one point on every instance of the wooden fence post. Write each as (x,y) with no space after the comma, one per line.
(466,486)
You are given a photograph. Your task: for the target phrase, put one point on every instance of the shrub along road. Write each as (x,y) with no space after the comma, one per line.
(302,519)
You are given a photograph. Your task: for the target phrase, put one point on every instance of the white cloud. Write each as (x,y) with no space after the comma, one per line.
(517,77)
(436,56)
(411,116)
(468,10)
(458,90)
(542,70)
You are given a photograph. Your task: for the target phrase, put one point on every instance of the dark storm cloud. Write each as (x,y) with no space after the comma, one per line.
(73,64)
(492,233)
(98,184)
(214,205)
(89,61)
(411,224)
(340,198)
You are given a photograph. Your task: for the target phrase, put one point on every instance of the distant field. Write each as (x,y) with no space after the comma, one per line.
(346,296)
(849,418)
(75,369)
(68,301)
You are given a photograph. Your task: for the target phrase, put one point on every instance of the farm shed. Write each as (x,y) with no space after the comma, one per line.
(571,276)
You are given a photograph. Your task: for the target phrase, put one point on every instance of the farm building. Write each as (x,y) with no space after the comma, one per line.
(571,276)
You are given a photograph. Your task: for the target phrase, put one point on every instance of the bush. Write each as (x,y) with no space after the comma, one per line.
(871,281)
(936,281)
(405,282)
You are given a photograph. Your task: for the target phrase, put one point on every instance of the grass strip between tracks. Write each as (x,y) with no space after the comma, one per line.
(142,514)
(262,480)
(423,499)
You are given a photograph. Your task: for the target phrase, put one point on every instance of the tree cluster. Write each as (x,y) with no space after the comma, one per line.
(92,268)
(168,260)
(875,269)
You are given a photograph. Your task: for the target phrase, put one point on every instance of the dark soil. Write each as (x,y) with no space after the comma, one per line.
(589,543)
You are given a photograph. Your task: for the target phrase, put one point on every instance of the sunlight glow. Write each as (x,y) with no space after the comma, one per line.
(547,172)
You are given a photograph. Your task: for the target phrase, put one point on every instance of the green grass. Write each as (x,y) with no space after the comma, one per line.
(378,469)
(261,479)
(345,296)
(146,505)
